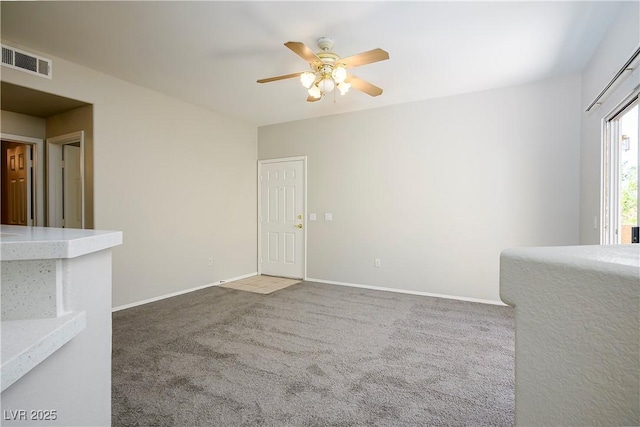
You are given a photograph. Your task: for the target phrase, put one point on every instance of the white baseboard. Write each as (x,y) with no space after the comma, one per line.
(174,294)
(405,291)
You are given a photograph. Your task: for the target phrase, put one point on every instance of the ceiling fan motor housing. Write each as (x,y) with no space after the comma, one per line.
(325,43)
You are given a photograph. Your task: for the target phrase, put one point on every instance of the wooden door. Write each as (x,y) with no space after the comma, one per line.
(16,183)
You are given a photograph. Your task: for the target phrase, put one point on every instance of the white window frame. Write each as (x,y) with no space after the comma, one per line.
(610,203)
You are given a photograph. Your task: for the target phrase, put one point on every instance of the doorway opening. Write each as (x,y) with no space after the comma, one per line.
(20,189)
(65,180)
(29,116)
(17,179)
(621,180)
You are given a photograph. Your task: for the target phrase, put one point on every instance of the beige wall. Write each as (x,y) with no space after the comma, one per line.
(437,189)
(179,180)
(23,125)
(79,119)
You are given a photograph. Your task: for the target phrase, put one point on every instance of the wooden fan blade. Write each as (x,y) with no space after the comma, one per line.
(364,86)
(283,77)
(312,99)
(302,51)
(363,58)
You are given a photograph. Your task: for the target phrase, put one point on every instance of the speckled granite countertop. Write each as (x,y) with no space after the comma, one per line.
(25,243)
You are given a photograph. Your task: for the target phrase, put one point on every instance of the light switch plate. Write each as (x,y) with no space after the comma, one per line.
(328,217)
(312,217)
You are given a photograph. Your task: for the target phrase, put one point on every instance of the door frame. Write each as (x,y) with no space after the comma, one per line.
(54,176)
(304,208)
(36,181)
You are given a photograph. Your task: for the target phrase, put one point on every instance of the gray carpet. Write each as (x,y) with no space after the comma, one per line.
(312,355)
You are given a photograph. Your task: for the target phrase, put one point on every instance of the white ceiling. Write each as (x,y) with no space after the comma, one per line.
(212,53)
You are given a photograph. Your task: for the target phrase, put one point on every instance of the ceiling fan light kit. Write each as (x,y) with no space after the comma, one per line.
(329,71)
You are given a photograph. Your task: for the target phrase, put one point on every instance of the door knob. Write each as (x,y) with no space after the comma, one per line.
(298,226)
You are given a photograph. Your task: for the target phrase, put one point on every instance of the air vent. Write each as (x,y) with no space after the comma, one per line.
(27,62)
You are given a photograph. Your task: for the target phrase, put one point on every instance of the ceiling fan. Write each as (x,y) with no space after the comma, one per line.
(329,71)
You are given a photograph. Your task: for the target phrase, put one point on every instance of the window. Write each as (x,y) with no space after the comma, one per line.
(621,157)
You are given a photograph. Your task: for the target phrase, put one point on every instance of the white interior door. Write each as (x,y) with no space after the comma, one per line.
(65,180)
(282,211)
(72,187)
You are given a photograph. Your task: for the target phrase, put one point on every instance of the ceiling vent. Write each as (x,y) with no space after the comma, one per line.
(27,62)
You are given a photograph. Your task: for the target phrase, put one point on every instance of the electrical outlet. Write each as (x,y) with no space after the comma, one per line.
(210,261)
(377,262)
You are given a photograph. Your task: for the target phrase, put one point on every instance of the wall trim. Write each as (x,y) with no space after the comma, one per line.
(309,279)
(406,291)
(20,138)
(175,294)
